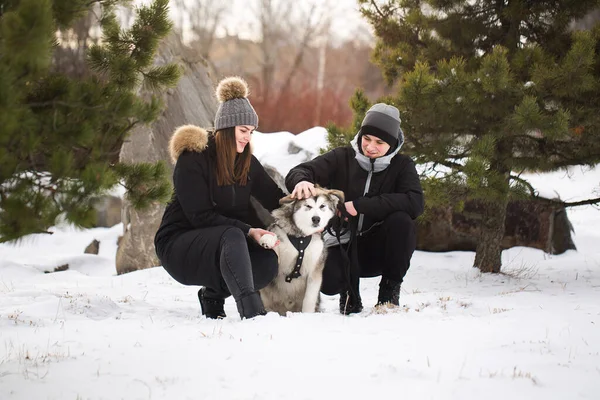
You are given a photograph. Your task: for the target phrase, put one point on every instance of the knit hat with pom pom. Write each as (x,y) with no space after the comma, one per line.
(235,109)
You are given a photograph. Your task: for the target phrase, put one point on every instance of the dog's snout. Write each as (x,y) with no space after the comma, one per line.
(316,219)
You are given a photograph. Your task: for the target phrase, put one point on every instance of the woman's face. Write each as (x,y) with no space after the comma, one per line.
(373,147)
(242,136)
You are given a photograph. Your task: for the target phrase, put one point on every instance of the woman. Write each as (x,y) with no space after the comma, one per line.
(209,232)
(384,196)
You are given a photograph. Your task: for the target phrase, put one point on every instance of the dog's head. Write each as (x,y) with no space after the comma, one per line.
(312,215)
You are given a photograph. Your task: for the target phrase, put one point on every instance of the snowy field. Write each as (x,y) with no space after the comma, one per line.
(85,333)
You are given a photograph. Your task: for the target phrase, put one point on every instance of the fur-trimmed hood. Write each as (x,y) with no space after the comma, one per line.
(187,137)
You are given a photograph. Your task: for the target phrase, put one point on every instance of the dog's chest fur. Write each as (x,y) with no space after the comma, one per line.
(282,296)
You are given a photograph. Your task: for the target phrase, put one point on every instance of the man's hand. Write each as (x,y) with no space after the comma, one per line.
(258,233)
(350,208)
(304,190)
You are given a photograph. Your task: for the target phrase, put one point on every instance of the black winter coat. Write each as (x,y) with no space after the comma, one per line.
(199,202)
(396,188)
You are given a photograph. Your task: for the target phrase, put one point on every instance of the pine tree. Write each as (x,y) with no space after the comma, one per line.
(60,136)
(489,90)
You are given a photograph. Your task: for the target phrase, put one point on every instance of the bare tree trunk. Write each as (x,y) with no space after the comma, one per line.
(280,27)
(270,32)
(307,36)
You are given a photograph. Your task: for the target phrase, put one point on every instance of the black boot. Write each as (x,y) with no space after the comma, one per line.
(212,308)
(251,306)
(389,292)
(349,304)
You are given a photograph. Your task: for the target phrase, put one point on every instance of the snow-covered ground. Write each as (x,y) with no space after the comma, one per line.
(85,333)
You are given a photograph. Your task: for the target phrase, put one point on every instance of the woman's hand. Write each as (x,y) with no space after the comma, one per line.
(258,233)
(304,190)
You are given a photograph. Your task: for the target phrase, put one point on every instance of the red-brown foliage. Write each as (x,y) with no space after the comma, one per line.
(302,107)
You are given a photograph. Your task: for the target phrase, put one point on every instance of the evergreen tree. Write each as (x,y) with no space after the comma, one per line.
(489,90)
(60,136)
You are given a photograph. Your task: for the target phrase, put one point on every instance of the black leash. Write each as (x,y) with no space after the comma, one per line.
(337,227)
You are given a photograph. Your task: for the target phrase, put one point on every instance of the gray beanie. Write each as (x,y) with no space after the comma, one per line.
(235,109)
(383,121)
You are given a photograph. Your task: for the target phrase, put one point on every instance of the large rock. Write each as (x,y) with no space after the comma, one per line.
(191,102)
(538,223)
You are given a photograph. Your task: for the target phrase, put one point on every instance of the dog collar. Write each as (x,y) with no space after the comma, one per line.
(300,243)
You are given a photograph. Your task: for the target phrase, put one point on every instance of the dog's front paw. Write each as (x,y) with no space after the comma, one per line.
(268,241)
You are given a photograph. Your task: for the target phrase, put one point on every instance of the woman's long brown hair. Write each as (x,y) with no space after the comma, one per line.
(231,166)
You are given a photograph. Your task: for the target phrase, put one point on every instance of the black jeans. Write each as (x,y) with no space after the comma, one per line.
(222,259)
(385,250)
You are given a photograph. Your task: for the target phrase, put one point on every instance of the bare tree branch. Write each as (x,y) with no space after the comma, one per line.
(292,26)
(309,33)
(201,19)
(581,203)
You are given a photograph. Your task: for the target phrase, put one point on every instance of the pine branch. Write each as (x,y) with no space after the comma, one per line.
(449,164)
(476,12)
(524,182)
(163,76)
(62,103)
(374,4)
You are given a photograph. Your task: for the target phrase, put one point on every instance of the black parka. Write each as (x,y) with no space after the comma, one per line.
(198,202)
(396,188)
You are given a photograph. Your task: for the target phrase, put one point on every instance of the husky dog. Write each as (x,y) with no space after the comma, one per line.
(298,225)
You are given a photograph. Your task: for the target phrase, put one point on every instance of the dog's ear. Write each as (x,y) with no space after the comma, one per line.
(287,200)
(337,196)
